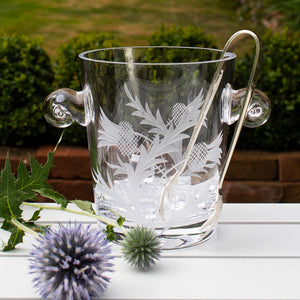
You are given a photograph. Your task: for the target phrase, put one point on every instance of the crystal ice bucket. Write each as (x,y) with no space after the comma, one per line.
(157,120)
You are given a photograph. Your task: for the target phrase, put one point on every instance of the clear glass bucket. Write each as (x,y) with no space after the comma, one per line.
(157,120)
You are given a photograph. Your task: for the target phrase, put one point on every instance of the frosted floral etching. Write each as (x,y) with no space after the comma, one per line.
(140,164)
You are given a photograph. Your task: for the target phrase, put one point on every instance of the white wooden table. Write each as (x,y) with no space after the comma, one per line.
(255,254)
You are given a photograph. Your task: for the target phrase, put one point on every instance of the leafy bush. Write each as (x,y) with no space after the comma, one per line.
(289,9)
(262,12)
(68,72)
(181,36)
(25,78)
(67,64)
(280,80)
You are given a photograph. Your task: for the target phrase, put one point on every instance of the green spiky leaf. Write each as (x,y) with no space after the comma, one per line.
(16,236)
(13,191)
(27,182)
(84,205)
(9,194)
(111,236)
(37,228)
(121,221)
(53,195)
(36,215)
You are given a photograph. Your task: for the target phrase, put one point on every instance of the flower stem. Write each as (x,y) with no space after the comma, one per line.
(24,228)
(83,213)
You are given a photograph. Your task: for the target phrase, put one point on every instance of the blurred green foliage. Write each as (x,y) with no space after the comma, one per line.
(68,73)
(26,77)
(286,13)
(181,36)
(67,64)
(280,80)
(290,10)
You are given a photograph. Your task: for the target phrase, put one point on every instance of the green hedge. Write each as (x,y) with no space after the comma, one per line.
(68,75)
(280,80)
(181,36)
(26,77)
(67,64)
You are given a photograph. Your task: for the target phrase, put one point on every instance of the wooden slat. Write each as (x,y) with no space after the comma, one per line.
(180,278)
(260,213)
(255,254)
(242,240)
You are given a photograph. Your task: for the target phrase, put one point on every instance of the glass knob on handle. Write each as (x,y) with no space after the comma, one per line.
(258,111)
(65,106)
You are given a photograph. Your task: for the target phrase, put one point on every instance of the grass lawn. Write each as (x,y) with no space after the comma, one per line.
(131,21)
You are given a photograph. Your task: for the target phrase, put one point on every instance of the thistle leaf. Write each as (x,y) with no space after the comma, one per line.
(17,234)
(84,205)
(121,221)
(27,182)
(25,187)
(111,236)
(36,215)
(9,194)
(37,228)
(15,238)
(53,195)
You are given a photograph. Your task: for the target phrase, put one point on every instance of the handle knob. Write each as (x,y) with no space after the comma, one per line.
(258,111)
(63,107)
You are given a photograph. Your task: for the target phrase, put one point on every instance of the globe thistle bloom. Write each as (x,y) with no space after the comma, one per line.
(141,247)
(70,263)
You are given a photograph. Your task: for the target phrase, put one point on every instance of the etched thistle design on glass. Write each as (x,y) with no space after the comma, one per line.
(140,163)
(157,124)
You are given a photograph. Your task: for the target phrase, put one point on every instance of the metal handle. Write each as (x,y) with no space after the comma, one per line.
(231,43)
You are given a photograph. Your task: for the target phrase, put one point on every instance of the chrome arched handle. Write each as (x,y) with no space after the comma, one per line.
(65,106)
(217,77)
(246,103)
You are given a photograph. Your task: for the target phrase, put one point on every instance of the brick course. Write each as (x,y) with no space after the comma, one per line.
(253,176)
(69,162)
(253,192)
(253,165)
(289,166)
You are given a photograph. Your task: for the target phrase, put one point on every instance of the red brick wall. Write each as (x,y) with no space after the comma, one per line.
(253,176)
(258,176)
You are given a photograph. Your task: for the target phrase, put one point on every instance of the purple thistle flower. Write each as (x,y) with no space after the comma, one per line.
(70,263)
